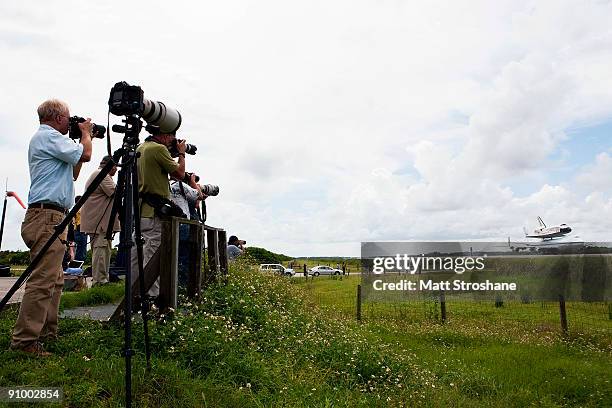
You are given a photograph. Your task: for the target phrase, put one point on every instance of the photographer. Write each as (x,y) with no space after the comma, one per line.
(96,215)
(186,197)
(54,161)
(235,247)
(154,166)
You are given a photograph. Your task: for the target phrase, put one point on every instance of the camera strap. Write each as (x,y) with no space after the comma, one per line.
(162,205)
(182,189)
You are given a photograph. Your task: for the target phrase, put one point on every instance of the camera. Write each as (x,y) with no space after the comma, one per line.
(126,99)
(210,190)
(207,189)
(74,131)
(189,148)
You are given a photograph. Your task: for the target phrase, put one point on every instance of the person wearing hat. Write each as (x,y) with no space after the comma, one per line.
(155,166)
(95,216)
(234,247)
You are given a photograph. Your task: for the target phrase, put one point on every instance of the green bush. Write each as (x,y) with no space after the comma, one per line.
(14,257)
(261,255)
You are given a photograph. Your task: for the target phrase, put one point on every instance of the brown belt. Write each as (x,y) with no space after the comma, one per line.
(47,206)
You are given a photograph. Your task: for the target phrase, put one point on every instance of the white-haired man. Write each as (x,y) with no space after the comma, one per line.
(55,162)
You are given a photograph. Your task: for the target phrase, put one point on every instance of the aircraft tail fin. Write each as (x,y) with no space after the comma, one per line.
(541,222)
(525,231)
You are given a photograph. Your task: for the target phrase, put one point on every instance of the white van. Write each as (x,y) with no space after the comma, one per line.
(277,269)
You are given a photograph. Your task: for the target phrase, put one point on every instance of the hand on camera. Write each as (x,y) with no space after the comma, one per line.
(86,127)
(192,182)
(181,146)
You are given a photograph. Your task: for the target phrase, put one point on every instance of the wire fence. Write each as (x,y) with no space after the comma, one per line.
(512,319)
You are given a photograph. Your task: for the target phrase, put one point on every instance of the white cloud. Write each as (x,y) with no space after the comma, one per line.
(596,177)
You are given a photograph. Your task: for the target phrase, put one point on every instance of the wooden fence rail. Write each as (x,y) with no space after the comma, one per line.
(165,261)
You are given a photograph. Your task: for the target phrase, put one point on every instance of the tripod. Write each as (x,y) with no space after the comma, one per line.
(128,193)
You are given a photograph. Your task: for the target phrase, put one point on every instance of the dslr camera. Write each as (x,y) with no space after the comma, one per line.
(207,189)
(126,100)
(74,132)
(190,149)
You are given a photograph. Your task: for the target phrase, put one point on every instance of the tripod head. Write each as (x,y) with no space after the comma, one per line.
(131,129)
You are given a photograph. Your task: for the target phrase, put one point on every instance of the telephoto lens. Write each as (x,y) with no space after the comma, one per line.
(97,131)
(210,189)
(158,114)
(189,148)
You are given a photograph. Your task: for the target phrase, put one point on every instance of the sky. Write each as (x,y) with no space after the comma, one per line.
(326,124)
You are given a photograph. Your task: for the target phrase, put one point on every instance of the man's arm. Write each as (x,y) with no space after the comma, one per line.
(86,140)
(179,173)
(76,170)
(107,186)
(87,147)
(195,188)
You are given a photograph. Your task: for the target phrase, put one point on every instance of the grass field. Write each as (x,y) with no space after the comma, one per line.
(592,320)
(267,341)
(513,355)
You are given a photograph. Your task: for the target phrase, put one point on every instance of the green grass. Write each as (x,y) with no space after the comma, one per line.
(93,296)
(269,341)
(514,355)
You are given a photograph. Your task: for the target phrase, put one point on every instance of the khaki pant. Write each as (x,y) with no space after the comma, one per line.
(100,257)
(40,304)
(151,229)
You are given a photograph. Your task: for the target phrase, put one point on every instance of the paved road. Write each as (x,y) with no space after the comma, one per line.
(6,284)
(301,275)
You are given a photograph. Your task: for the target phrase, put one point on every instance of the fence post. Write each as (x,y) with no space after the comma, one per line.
(443,306)
(168,271)
(499,302)
(223,261)
(563,314)
(212,240)
(359,303)
(194,278)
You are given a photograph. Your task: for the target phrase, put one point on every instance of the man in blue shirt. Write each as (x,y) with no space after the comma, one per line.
(234,247)
(55,162)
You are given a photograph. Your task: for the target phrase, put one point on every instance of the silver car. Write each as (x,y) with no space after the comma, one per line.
(277,269)
(324,270)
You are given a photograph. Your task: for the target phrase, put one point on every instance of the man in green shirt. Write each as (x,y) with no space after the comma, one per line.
(154,166)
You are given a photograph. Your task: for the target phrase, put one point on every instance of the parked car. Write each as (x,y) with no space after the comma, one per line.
(276,268)
(324,270)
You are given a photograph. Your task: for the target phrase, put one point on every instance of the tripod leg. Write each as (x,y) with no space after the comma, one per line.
(126,245)
(139,242)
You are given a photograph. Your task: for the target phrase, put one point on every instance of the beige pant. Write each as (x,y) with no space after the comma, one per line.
(151,229)
(40,304)
(100,257)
